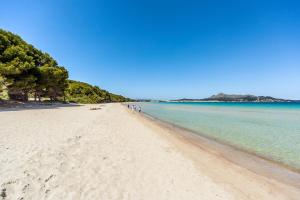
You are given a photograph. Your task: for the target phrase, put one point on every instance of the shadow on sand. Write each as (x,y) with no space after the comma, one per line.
(35,105)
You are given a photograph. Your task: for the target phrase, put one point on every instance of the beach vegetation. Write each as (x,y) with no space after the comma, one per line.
(80,92)
(27,72)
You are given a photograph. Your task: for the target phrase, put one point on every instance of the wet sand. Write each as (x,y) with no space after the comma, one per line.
(73,152)
(254,162)
(237,169)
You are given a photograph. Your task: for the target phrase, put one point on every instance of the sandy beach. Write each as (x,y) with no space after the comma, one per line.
(72,152)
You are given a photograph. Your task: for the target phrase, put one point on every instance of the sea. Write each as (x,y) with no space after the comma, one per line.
(270,130)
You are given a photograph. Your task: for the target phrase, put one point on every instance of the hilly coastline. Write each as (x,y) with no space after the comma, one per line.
(221,97)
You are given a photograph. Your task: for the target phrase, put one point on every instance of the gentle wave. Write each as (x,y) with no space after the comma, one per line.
(271,130)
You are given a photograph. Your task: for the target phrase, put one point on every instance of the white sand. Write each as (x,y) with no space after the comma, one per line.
(76,153)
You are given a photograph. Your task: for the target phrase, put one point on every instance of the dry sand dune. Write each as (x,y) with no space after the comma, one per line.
(77,153)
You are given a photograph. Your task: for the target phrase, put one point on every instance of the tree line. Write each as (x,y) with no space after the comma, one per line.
(27,72)
(80,92)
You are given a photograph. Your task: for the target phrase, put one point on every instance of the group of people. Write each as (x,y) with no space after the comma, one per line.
(134,107)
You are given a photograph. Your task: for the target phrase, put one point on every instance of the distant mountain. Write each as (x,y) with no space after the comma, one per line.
(149,100)
(238,98)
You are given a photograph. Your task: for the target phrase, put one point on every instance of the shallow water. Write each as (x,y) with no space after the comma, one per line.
(271,130)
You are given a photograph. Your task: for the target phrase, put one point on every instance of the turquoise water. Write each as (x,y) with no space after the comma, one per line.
(271,130)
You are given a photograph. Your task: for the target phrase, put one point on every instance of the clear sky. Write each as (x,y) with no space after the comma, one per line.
(168,49)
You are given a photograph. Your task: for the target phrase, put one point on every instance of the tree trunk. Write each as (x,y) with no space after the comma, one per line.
(25,97)
(17,95)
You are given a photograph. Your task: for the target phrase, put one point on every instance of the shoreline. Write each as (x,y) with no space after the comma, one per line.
(199,101)
(112,152)
(103,153)
(249,160)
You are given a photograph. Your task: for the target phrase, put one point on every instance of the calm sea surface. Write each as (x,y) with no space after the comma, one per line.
(271,130)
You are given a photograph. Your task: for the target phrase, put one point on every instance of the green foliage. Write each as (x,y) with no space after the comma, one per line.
(80,92)
(52,81)
(2,94)
(26,71)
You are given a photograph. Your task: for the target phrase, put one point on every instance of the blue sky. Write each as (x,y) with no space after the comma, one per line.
(168,49)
